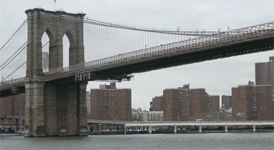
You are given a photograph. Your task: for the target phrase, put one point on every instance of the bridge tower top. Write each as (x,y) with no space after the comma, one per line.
(56,24)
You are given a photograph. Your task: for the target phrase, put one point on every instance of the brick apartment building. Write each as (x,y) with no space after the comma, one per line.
(88,104)
(264,75)
(12,105)
(157,103)
(213,102)
(252,102)
(185,104)
(199,103)
(185,98)
(226,101)
(264,102)
(110,103)
(172,106)
(264,72)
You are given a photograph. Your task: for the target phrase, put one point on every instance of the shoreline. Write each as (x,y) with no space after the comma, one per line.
(188,132)
(184,132)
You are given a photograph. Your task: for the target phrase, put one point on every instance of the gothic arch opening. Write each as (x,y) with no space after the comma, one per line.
(45,41)
(68,48)
(66,44)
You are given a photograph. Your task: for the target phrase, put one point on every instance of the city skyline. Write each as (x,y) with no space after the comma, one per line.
(216,76)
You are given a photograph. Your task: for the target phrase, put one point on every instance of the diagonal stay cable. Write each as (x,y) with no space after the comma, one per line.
(13,55)
(45,44)
(15,70)
(22,48)
(13,34)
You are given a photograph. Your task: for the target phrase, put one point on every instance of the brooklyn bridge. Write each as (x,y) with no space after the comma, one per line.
(56,97)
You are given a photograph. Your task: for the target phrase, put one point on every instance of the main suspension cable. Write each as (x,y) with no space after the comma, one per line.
(106,24)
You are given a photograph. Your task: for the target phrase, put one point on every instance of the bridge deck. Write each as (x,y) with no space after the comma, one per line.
(225,44)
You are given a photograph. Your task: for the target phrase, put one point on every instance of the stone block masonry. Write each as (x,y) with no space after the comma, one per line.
(54,107)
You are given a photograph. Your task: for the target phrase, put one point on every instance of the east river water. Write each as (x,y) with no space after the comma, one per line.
(210,141)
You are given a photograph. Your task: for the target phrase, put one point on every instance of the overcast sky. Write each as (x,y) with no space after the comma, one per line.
(216,76)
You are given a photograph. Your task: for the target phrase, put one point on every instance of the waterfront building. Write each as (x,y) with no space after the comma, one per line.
(199,103)
(172,106)
(264,72)
(252,102)
(12,105)
(143,115)
(185,99)
(88,104)
(184,104)
(242,102)
(150,106)
(135,114)
(157,103)
(213,103)
(155,115)
(110,103)
(264,75)
(148,115)
(226,102)
(264,103)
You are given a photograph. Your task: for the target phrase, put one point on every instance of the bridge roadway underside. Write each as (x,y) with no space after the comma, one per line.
(9,92)
(183,58)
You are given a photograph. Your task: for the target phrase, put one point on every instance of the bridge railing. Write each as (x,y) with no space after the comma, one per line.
(13,82)
(220,38)
(176,47)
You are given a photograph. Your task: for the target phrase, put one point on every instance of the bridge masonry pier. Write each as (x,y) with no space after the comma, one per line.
(54,108)
(66,113)
(34,109)
(82,110)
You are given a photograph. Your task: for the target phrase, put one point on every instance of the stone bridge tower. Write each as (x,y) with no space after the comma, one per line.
(54,107)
